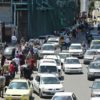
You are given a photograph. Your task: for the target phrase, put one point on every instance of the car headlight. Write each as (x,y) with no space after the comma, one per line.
(62,89)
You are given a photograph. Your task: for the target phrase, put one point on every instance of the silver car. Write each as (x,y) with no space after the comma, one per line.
(93,70)
(89,56)
(95,89)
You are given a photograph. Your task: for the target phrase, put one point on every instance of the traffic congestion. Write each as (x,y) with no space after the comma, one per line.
(64,66)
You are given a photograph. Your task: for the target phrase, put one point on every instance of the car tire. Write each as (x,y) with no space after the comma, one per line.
(89,78)
(33,90)
(40,94)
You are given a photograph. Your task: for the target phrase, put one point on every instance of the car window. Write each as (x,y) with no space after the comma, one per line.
(95,65)
(50,80)
(96,85)
(48,47)
(62,98)
(37,78)
(72,61)
(47,69)
(18,85)
(91,52)
(75,47)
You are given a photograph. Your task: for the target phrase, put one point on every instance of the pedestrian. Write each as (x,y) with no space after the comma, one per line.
(12,70)
(3,58)
(84,46)
(13,39)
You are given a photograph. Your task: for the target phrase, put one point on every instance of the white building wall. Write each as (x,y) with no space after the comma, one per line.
(84,6)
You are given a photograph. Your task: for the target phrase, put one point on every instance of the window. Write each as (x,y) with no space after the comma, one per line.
(37,79)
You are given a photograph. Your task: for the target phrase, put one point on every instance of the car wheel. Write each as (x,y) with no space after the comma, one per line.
(40,93)
(89,78)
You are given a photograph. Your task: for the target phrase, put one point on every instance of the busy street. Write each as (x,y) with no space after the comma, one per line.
(49,49)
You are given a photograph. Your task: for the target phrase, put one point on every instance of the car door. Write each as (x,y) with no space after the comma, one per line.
(37,83)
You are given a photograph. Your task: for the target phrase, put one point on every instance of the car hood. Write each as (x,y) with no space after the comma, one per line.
(88,56)
(73,65)
(16,92)
(51,86)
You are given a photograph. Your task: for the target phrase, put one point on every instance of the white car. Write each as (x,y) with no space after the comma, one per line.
(56,58)
(47,85)
(48,66)
(95,98)
(19,89)
(54,40)
(76,49)
(72,65)
(89,56)
(64,55)
(47,49)
(64,96)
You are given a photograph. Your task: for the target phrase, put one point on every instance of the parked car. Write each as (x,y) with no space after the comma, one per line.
(64,96)
(94,42)
(47,85)
(19,89)
(95,88)
(93,70)
(72,65)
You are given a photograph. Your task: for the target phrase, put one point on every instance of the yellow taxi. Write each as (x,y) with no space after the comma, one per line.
(19,89)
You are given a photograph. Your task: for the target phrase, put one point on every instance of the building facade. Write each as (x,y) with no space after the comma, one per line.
(39,17)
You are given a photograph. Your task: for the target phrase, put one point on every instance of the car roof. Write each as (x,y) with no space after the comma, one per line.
(48,64)
(19,80)
(46,75)
(63,94)
(95,40)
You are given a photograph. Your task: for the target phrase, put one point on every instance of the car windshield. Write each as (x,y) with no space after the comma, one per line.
(48,69)
(48,47)
(95,42)
(91,53)
(64,55)
(50,80)
(75,47)
(95,47)
(18,85)
(72,61)
(97,59)
(57,61)
(96,85)
(62,98)
(95,65)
